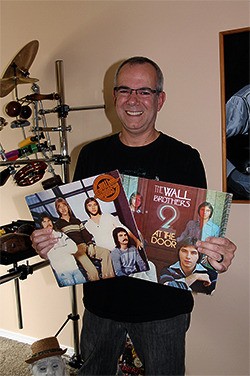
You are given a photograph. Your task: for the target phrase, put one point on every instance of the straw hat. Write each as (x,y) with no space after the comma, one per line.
(45,348)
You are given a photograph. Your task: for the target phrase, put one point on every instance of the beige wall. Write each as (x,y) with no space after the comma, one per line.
(91,37)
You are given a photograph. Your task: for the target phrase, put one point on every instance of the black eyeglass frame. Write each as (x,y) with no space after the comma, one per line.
(130,90)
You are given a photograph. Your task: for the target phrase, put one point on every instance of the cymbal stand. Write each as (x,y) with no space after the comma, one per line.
(62,114)
(62,111)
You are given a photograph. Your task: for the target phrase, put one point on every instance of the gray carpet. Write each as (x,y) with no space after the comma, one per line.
(12,358)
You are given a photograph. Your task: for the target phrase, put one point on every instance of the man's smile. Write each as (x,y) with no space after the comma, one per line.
(134,113)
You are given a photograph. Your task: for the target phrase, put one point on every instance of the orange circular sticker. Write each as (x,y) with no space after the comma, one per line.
(106,187)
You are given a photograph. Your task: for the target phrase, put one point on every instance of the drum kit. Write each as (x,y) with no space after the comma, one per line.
(29,112)
(36,153)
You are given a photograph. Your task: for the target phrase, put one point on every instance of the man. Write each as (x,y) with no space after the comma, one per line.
(125,257)
(75,229)
(101,225)
(155,316)
(203,227)
(135,201)
(188,272)
(61,256)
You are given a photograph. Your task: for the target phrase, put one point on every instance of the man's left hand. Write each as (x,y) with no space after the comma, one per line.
(220,252)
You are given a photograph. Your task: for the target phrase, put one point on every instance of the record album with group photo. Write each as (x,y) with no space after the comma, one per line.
(97,236)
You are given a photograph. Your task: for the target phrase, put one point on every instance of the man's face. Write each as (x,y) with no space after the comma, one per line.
(47,223)
(122,238)
(138,114)
(62,208)
(92,207)
(136,201)
(188,257)
(52,366)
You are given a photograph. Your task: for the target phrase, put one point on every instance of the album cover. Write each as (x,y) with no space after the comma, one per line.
(97,236)
(171,218)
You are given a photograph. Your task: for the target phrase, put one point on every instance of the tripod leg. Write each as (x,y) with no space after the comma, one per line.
(76,359)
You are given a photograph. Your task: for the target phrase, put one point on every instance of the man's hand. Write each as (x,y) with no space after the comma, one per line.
(220,252)
(81,250)
(42,241)
(91,250)
(203,277)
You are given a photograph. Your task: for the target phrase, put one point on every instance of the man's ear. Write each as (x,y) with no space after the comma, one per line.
(161,100)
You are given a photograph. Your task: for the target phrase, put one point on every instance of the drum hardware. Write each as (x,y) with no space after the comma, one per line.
(12,236)
(52,182)
(29,149)
(3,123)
(37,118)
(30,140)
(67,109)
(5,174)
(19,124)
(10,170)
(56,159)
(75,361)
(21,272)
(53,129)
(30,174)
(40,97)
(17,73)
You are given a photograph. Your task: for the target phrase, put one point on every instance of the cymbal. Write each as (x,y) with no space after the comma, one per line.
(8,84)
(22,61)
(19,67)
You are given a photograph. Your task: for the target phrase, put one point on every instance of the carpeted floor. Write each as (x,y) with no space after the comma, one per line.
(12,359)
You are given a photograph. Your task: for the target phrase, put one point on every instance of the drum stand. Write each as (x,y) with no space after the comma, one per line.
(62,111)
(63,159)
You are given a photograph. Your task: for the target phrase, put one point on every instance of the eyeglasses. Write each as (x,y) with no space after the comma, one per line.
(142,92)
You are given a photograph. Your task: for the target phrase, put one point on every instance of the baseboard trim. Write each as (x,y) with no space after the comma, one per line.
(29,340)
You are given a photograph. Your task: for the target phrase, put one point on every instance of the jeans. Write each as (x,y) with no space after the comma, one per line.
(70,278)
(159,344)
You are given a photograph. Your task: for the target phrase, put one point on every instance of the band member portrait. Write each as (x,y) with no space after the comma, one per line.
(61,256)
(87,248)
(125,257)
(101,225)
(203,226)
(135,202)
(188,273)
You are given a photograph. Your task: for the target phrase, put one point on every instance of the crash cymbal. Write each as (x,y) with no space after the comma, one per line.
(8,84)
(21,63)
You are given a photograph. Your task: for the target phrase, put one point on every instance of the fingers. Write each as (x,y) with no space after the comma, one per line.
(42,241)
(220,252)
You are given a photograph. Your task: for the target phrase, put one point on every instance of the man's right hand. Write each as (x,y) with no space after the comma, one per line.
(42,241)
